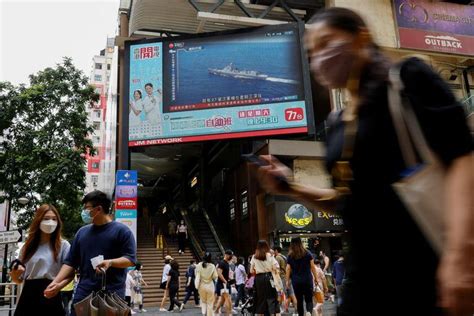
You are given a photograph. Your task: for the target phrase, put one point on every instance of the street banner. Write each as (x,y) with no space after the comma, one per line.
(126,204)
(435,26)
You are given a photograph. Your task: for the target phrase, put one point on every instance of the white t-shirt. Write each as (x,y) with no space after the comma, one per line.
(166,270)
(264,266)
(42,264)
(129,285)
(240,274)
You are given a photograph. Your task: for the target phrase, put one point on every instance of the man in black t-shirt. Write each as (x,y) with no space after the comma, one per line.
(223,286)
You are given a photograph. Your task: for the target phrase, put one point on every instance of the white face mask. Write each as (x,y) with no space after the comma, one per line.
(48,226)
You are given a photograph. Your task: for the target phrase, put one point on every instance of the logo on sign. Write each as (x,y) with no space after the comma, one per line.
(298,216)
(126,204)
(294,114)
(443,41)
(126,191)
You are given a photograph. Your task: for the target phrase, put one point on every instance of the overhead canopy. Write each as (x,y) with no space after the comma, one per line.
(180,16)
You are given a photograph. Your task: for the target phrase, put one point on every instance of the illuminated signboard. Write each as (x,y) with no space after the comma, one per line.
(244,83)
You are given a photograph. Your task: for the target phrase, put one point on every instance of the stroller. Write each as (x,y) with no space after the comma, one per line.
(248,307)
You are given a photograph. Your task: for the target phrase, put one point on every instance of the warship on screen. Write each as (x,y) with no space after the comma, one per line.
(232,71)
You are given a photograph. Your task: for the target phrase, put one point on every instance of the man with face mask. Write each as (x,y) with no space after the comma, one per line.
(101,237)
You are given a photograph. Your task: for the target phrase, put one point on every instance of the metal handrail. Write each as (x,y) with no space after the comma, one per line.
(468,104)
(191,234)
(213,230)
(13,296)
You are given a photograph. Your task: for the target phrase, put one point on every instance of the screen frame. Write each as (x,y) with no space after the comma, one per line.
(300,27)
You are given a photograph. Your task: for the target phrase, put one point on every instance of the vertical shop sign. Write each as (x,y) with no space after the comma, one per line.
(126,199)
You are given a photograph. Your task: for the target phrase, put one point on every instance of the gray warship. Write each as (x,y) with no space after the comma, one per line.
(232,71)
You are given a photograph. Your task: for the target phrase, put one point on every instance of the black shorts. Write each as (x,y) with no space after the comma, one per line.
(163,285)
(221,286)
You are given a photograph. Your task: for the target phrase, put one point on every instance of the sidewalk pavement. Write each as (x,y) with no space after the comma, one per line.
(329,309)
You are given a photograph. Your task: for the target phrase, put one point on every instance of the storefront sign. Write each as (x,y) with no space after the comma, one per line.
(287,215)
(298,216)
(435,26)
(126,199)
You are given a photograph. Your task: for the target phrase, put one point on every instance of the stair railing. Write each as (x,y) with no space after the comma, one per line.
(199,249)
(213,230)
(468,104)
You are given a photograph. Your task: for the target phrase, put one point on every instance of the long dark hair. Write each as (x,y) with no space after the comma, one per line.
(297,250)
(206,259)
(340,18)
(34,234)
(262,249)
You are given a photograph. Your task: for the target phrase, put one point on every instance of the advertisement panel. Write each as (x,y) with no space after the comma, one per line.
(435,26)
(244,83)
(291,216)
(126,182)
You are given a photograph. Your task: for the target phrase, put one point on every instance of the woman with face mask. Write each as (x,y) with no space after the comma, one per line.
(39,262)
(364,159)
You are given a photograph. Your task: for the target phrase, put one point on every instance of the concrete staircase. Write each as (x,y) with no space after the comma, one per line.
(153,263)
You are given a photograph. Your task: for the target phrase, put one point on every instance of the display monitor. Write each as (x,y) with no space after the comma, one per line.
(236,84)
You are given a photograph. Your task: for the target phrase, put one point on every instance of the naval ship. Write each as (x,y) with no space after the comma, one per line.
(231,71)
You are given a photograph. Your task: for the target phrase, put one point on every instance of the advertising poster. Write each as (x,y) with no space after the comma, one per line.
(288,215)
(126,199)
(217,87)
(435,26)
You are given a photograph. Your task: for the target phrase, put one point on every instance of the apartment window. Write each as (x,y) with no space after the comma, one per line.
(96,114)
(244,205)
(98,90)
(95,139)
(108,66)
(98,78)
(98,66)
(95,165)
(232,209)
(96,125)
(94,180)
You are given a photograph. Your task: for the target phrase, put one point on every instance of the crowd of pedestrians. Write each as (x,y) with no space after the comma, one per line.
(47,266)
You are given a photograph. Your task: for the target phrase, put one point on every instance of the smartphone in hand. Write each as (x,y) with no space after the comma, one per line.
(254,159)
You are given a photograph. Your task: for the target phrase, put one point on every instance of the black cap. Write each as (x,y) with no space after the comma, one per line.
(229,252)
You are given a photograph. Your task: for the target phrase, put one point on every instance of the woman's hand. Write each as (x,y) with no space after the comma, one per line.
(17,273)
(270,176)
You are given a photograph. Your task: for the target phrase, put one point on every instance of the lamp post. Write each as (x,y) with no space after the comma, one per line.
(23,201)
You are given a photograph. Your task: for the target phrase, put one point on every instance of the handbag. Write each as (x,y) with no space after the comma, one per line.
(421,190)
(102,303)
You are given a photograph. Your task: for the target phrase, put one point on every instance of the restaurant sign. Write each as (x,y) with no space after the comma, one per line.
(435,26)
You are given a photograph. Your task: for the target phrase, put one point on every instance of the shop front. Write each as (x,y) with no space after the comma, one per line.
(320,230)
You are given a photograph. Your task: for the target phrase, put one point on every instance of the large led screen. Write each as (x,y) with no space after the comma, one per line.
(245,83)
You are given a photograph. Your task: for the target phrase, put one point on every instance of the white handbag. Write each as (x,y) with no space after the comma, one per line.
(421,191)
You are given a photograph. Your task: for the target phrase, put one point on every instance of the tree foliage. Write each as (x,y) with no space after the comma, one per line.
(45,142)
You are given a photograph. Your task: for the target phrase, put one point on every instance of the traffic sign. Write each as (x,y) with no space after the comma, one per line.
(10,236)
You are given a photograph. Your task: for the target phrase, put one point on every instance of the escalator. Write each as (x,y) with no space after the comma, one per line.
(204,230)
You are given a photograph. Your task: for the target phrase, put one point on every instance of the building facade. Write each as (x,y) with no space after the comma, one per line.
(97,113)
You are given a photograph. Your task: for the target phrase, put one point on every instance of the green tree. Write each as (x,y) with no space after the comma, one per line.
(45,142)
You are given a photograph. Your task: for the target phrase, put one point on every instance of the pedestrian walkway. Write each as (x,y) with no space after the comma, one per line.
(329,310)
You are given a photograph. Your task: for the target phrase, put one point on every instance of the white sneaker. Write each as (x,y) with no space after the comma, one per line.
(308,314)
(181,307)
(133,312)
(142,310)
(163,310)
